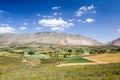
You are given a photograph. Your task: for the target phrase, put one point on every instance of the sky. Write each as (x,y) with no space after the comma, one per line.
(97,19)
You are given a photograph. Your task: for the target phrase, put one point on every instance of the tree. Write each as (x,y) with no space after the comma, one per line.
(65,55)
(31,52)
(82,51)
(79,51)
(69,51)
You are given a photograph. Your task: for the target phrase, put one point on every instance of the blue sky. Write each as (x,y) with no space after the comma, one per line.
(98,19)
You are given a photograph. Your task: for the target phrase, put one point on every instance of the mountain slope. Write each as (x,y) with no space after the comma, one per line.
(115,42)
(49,38)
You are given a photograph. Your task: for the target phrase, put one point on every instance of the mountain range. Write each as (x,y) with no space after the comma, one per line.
(50,38)
(115,42)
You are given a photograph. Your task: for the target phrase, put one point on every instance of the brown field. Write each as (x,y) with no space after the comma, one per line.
(98,59)
(105,58)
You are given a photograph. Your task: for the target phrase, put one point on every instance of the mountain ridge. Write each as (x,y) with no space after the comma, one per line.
(53,38)
(115,42)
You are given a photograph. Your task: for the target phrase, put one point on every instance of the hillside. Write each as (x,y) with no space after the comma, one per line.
(46,38)
(115,42)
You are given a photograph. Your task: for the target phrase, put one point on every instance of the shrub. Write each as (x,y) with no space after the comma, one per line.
(31,52)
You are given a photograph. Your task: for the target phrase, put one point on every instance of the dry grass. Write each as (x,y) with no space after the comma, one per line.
(105,58)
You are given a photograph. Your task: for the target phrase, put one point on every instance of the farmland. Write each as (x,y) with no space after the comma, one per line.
(42,63)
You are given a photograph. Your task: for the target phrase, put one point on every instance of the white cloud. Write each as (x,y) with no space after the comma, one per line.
(3,12)
(55,24)
(44,16)
(4,25)
(79,13)
(89,20)
(47,16)
(39,28)
(91,7)
(57,29)
(55,14)
(25,23)
(79,20)
(118,30)
(23,28)
(85,10)
(93,12)
(60,13)
(56,7)
(5,28)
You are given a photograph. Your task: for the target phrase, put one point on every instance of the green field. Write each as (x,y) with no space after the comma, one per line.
(13,69)
(77,60)
(36,57)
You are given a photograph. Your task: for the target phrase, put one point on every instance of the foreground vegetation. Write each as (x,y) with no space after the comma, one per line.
(51,72)
(39,63)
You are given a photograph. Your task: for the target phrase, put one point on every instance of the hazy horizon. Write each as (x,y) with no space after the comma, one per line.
(97,19)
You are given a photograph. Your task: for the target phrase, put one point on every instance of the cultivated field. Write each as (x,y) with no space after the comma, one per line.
(105,58)
(97,59)
(46,64)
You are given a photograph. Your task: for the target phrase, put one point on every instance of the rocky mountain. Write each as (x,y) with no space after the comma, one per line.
(115,42)
(46,38)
